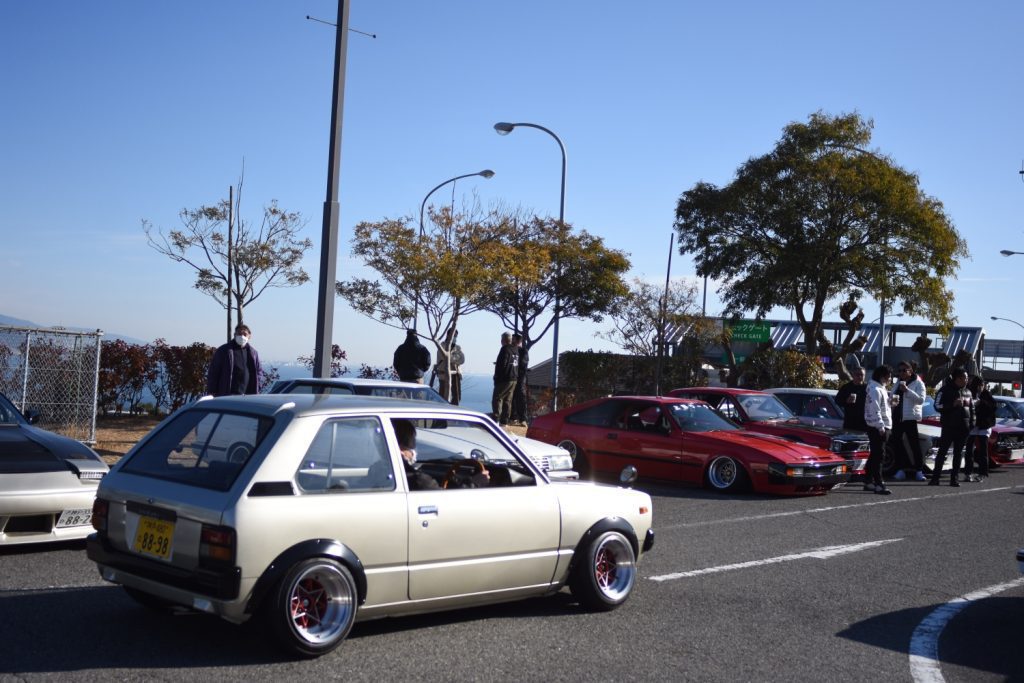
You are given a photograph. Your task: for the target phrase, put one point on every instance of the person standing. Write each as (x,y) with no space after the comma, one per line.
(878,416)
(449,370)
(984,421)
(411,359)
(851,398)
(905,416)
(956,406)
(235,367)
(520,399)
(506,370)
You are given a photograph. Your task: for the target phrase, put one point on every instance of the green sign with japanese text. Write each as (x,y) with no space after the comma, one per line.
(751,331)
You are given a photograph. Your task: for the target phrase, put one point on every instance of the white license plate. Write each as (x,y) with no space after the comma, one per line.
(1016,453)
(82,517)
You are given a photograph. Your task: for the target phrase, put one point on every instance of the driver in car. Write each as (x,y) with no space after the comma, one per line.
(419,480)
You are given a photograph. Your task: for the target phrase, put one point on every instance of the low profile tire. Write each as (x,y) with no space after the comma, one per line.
(579,460)
(148,600)
(888,461)
(605,572)
(725,475)
(313,607)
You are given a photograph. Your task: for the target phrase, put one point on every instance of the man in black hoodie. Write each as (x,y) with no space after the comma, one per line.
(411,359)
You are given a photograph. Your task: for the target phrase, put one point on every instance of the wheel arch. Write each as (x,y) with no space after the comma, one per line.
(607,524)
(318,547)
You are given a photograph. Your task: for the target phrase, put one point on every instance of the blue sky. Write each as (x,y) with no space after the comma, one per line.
(114,112)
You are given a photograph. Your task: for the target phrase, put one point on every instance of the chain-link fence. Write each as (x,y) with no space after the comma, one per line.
(55,373)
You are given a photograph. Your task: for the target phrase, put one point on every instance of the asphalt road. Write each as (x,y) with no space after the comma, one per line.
(844,587)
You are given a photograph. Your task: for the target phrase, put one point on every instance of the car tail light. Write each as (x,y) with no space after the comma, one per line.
(217,546)
(100,508)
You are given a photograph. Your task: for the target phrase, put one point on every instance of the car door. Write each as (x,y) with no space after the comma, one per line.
(471,541)
(643,437)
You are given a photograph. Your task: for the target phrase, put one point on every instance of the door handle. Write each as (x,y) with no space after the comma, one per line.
(428,510)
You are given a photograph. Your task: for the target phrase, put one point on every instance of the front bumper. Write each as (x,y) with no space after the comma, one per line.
(808,475)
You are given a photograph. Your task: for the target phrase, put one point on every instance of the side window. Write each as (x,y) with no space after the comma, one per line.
(1003,411)
(729,409)
(792,401)
(606,414)
(347,455)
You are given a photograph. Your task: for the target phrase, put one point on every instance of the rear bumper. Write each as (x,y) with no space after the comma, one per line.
(217,585)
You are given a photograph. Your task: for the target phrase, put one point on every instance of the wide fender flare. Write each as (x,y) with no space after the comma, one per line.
(317,547)
(607,524)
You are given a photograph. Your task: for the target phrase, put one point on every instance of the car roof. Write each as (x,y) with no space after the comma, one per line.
(809,391)
(720,390)
(357,382)
(307,404)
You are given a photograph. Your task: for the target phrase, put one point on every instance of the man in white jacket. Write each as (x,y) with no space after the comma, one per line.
(906,414)
(878,416)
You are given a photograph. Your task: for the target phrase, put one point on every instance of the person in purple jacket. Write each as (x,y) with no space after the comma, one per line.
(235,367)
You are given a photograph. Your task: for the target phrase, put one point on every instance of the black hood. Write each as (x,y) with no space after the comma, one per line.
(28,449)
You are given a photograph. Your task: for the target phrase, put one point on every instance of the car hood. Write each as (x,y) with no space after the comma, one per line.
(29,449)
(538,449)
(775,446)
(818,429)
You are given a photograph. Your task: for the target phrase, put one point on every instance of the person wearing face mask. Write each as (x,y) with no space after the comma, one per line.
(235,367)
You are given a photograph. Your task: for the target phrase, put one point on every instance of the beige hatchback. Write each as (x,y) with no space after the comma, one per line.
(306,512)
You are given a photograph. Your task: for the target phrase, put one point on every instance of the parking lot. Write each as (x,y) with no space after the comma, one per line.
(847,586)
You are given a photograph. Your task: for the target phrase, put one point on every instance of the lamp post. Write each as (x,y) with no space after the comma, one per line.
(503,128)
(1007,252)
(486,173)
(1021,351)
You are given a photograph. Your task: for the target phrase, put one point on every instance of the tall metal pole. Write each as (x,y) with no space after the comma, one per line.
(663,313)
(231,254)
(881,336)
(329,234)
(504,129)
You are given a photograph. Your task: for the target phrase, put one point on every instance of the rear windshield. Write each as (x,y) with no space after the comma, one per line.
(200,448)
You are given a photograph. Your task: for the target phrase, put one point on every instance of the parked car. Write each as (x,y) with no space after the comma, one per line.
(553,460)
(759,411)
(685,440)
(819,407)
(47,481)
(298,510)
(1005,444)
(1010,411)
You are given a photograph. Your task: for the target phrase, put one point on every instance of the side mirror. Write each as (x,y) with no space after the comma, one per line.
(628,476)
(32,416)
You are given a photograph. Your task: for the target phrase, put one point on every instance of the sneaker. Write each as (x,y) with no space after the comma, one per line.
(933,482)
(974,478)
(869,487)
(954,482)
(920,476)
(900,475)
(882,491)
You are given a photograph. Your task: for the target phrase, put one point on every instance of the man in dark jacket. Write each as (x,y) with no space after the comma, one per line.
(235,367)
(851,398)
(506,370)
(956,405)
(519,395)
(411,359)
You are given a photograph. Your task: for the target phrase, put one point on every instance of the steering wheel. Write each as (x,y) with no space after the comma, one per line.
(451,478)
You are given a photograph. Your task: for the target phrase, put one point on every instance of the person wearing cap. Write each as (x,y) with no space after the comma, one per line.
(412,359)
(506,370)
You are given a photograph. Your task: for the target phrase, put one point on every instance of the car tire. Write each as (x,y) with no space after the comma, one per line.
(726,475)
(313,607)
(579,459)
(889,461)
(148,600)
(604,573)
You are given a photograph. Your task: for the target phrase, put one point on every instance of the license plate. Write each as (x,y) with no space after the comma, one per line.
(154,537)
(1016,453)
(82,517)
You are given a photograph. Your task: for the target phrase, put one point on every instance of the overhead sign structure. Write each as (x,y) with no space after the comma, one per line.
(751,331)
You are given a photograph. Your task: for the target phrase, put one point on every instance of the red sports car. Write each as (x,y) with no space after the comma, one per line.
(759,411)
(683,440)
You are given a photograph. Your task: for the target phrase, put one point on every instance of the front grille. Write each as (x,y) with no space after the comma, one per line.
(850,446)
(29,524)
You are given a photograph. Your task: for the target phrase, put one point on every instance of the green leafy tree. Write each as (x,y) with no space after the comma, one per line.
(442,275)
(236,271)
(546,260)
(820,216)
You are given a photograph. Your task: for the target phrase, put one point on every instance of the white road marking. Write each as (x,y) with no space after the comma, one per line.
(818,554)
(830,508)
(924,643)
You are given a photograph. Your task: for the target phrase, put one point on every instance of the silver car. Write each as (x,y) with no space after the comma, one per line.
(47,481)
(554,460)
(306,511)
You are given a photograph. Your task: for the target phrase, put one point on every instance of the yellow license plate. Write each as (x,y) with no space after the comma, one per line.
(154,537)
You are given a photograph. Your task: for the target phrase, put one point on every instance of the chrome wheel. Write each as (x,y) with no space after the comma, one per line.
(725,474)
(605,572)
(579,460)
(316,606)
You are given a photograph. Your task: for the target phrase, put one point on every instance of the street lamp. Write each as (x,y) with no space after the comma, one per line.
(1021,350)
(1007,252)
(486,173)
(894,315)
(503,128)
